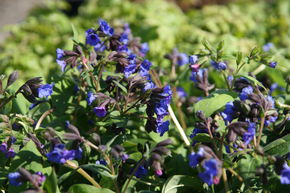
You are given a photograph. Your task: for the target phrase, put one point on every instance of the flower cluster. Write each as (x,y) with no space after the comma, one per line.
(6,148)
(209,162)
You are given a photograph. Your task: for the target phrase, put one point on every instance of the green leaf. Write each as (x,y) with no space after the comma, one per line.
(75,33)
(120,86)
(51,183)
(85,188)
(181,184)
(213,103)
(277,147)
(100,169)
(107,73)
(202,137)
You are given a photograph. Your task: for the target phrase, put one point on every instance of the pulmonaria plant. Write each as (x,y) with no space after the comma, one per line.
(105,118)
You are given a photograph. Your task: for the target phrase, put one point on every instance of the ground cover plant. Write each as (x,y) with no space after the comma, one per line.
(112,121)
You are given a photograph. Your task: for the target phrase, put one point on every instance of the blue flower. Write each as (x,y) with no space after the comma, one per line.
(250,134)
(144,49)
(78,153)
(41,177)
(103,162)
(141,172)
(181,92)
(149,85)
(91,97)
(59,53)
(196,157)
(245,92)
(271,101)
(131,67)
(123,48)
(60,155)
(100,47)
(162,127)
(285,174)
(124,38)
(124,157)
(273,64)
(62,64)
(15,179)
(100,111)
(10,153)
(105,28)
(193,59)
(229,111)
(219,65)
(3,147)
(44,91)
(270,119)
(195,76)
(182,59)
(267,47)
(145,67)
(92,38)
(210,171)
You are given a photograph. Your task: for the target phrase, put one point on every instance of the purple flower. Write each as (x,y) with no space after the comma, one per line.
(181,92)
(182,59)
(44,91)
(92,38)
(273,64)
(195,157)
(3,147)
(123,48)
(103,162)
(41,177)
(229,111)
(59,53)
(267,47)
(15,179)
(285,174)
(100,47)
(91,97)
(131,67)
(145,67)
(124,157)
(195,76)
(250,134)
(105,28)
(219,65)
(270,119)
(78,153)
(149,85)
(210,171)
(124,38)
(13,139)
(193,59)
(100,111)
(245,92)
(162,127)
(271,101)
(62,64)
(141,172)
(144,49)
(60,155)
(10,153)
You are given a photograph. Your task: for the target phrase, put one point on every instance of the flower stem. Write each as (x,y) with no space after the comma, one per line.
(177,124)
(225,181)
(72,165)
(45,114)
(261,130)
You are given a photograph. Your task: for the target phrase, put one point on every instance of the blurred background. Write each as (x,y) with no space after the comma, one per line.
(31,30)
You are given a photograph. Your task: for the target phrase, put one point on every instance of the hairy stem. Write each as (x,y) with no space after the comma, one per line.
(45,114)
(261,129)
(72,165)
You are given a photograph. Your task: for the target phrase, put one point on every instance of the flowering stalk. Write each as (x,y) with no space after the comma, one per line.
(72,165)
(178,126)
(46,113)
(261,129)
